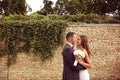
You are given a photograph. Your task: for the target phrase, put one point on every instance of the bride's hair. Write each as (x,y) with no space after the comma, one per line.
(84,43)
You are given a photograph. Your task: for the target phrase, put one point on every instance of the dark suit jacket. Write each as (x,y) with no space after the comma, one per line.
(70,72)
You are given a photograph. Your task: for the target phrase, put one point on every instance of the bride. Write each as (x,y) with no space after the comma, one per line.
(82,57)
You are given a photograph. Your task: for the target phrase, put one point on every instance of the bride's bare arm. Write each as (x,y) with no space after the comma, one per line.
(87,62)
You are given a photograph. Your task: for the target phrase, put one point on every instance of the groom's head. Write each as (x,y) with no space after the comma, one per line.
(70,37)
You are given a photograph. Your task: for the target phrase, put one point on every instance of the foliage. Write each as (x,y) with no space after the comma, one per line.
(47,9)
(13,7)
(35,16)
(73,6)
(80,18)
(59,7)
(93,18)
(89,18)
(41,36)
(0,7)
(100,7)
(104,6)
(54,17)
(112,20)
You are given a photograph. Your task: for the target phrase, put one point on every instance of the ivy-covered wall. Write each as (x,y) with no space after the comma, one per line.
(39,36)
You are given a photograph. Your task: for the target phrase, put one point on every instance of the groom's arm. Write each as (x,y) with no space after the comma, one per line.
(80,67)
(68,55)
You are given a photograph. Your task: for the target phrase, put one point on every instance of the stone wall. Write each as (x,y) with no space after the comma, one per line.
(104,41)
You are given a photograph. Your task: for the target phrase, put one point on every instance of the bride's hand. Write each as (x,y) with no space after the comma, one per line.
(79,60)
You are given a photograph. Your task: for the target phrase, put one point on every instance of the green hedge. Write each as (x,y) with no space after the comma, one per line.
(41,37)
(78,18)
(87,18)
(91,18)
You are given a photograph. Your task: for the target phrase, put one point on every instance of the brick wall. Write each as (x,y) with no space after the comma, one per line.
(104,41)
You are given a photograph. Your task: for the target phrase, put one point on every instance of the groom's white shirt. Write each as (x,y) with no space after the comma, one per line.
(70,44)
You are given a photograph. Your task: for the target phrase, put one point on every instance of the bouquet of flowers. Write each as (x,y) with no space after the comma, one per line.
(77,55)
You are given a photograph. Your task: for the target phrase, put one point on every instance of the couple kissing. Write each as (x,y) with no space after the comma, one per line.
(76,62)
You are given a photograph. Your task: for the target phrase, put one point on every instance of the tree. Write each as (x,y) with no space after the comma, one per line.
(47,9)
(114,5)
(5,7)
(100,7)
(104,6)
(13,7)
(0,7)
(28,8)
(72,6)
(60,7)
(18,7)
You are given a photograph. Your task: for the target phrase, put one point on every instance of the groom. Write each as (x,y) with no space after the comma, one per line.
(70,72)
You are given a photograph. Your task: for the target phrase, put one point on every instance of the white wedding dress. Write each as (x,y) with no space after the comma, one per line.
(83,74)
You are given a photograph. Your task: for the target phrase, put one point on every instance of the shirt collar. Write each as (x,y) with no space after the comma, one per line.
(70,44)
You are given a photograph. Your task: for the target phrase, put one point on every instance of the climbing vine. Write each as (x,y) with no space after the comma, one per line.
(42,37)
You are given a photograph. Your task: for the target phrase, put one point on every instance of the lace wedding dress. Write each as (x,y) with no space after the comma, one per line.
(83,74)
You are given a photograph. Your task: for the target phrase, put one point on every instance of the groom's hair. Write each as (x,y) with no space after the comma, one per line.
(69,34)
